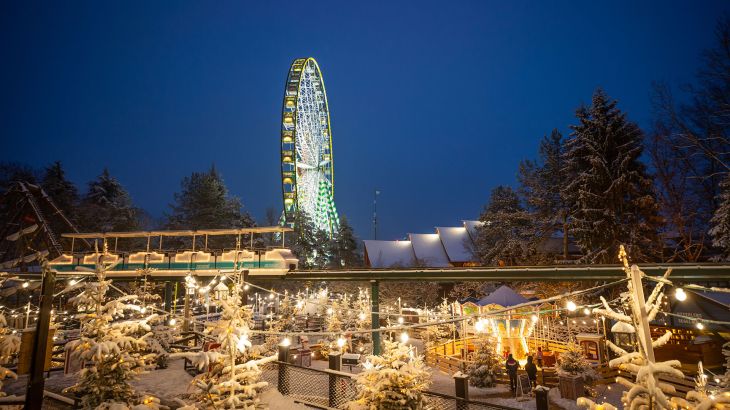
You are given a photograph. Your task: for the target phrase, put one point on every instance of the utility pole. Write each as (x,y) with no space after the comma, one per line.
(375,214)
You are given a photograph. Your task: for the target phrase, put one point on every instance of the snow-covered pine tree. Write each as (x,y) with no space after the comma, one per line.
(487,362)
(504,238)
(394,380)
(107,206)
(205,202)
(9,346)
(702,397)
(111,350)
(573,363)
(62,191)
(609,191)
(232,380)
(540,184)
(720,222)
(646,390)
(345,251)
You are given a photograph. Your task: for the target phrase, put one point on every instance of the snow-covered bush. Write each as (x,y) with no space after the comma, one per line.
(393,380)
(9,346)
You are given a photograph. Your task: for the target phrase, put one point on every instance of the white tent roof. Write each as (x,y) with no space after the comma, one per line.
(387,254)
(504,296)
(457,243)
(428,250)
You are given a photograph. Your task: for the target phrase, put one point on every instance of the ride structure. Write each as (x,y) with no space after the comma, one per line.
(307,169)
(199,260)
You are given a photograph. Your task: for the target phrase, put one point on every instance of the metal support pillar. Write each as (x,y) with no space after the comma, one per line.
(375,315)
(34,393)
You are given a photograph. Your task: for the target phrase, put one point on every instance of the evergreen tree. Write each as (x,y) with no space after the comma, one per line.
(487,362)
(204,203)
(504,236)
(62,191)
(11,172)
(9,346)
(394,380)
(541,183)
(609,191)
(345,252)
(107,206)
(720,230)
(303,241)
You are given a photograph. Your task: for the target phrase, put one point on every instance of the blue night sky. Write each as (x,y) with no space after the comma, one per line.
(432,103)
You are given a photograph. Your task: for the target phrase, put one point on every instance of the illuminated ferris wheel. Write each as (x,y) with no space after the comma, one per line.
(307,170)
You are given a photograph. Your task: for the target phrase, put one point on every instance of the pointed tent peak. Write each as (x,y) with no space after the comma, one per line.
(504,296)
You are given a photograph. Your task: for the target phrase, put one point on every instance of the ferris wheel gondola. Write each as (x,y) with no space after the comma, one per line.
(307,168)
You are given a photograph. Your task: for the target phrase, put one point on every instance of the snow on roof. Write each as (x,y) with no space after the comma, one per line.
(504,296)
(428,250)
(622,327)
(457,243)
(388,254)
(471,228)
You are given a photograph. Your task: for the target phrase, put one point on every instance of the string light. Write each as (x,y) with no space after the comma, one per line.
(680,295)
(172,322)
(404,337)
(400,320)
(571,306)
(25,284)
(586,311)
(700,325)
(534,318)
(341,342)
(285,342)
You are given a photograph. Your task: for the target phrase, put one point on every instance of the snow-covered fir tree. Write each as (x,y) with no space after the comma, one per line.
(609,191)
(702,397)
(720,223)
(572,362)
(503,239)
(344,252)
(394,380)
(487,362)
(107,206)
(645,390)
(9,347)
(540,184)
(111,349)
(232,379)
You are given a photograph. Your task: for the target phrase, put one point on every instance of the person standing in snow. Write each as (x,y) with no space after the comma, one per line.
(531,370)
(512,365)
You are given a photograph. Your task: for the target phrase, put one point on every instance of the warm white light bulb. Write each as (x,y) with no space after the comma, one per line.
(700,325)
(479,326)
(571,306)
(361,316)
(680,295)
(404,337)
(586,311)
(72,282)
(246,287)
(341,342)
(172,322)
(534,318)
(285,342)
(25,284)
(400,320)
(330,311)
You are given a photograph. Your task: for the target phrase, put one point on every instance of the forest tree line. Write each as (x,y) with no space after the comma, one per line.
(663,192)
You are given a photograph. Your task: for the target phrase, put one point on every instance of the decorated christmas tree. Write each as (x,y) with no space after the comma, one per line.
(231,379)
(393,380)
(487,362)
(110,349)
(333,325)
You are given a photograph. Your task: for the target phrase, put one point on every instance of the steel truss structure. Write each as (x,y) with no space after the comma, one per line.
(307,170)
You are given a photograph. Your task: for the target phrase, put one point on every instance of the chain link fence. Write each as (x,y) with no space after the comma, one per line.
(333,389)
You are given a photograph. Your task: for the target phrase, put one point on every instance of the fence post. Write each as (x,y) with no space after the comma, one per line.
(334,364)
(461,388)
(283,364)
(375,315)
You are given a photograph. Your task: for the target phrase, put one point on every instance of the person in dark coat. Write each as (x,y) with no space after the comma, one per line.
(531,370)
(512,365)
